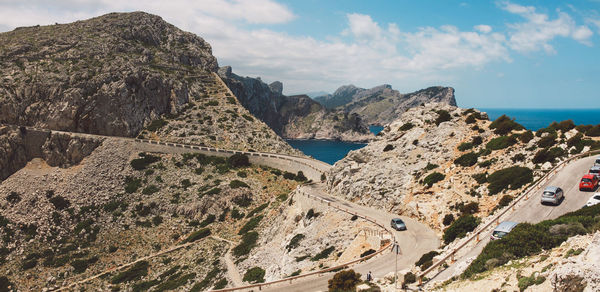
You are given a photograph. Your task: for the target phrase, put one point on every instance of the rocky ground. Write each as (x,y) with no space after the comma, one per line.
(65,224)
(396,171)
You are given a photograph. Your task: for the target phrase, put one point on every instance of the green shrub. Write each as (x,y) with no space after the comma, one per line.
(548,155)
(388,147)
(156,125)
(257,210)
(295,241)
(312,214)
(149,190)
(443,116)
(470,119)
(175,282)
(247,117)
(13,197)
(137,271)
(509,178)
(185,183)
(220,284)
(208,220)
(246,245)
(480,178)
(430,166)
(433,178)
(547,141)
(501,142)
(235,214)
(289,175)
(465,146)
(504,125)
(238,160)
(300,176)
(29,264)
(254,275)
(250,225)
(468,159)
(459,228)
(144,161)
(197,235)
(323,254)
(525,282)
(367,252)
(5,283)
(344,281)
(477,140)
(448,219)
(593,131)
(525,137)
(234,184)
(409,278)
(60,202)
(406,126)
(428,257)
(563,126)
(470,208)
(80,265)
(295,273)
(243,200)
(505,200)
(213,191)
(518,157)
(132,184)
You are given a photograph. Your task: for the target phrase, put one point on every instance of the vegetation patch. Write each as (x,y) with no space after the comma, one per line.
(197,235)
(234,184)
(137,271)
(344,281)
(246,245)
(60,202)
(238,160)
(406,126)
(426,260)
(156,125)
(295,241)
(254,275)
(443,116)
(459,228)
(257,210)
(529,239)
(501,142)
(465,146)
(250,225)
(388,147)
(509,178)
(323,254)
(466,160)
(132,184)
(144,161)
(548,155)
(433,178)
(504,125)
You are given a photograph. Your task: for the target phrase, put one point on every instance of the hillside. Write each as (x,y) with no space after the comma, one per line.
(381,105)
(293,117)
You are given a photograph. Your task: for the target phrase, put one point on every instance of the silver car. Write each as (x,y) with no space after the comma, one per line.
(398,224)
(552,195)
(503,229)
(595,170)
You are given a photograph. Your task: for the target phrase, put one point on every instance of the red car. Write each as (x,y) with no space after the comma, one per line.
(588,182)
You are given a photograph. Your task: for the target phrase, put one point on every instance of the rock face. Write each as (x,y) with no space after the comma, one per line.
(381,105)
(294,117)
(108,75)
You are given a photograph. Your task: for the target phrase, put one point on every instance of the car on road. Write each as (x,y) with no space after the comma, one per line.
(588,182)
(597,162)
(398,224)
(594,200)
(503,229)
(595,170)
(552,195)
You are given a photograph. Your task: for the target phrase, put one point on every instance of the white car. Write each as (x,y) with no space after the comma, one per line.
(595,199)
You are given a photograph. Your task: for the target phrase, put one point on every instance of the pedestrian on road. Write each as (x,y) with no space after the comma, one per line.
(369,277)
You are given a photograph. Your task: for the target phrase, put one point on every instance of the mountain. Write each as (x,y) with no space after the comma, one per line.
(381,105)
(293,117)
(314,94)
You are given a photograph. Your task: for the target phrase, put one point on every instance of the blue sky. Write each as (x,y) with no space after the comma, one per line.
(503,54)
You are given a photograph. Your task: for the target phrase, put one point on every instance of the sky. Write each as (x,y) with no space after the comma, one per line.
(496,54)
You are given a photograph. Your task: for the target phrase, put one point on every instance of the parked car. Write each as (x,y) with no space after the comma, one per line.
(595,170)
(398,224)
(594,200)
(552,195)
(503,229)
(597,162)
(588,182)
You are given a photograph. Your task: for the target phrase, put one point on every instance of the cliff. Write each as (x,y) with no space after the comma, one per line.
(381,105)
(293,117)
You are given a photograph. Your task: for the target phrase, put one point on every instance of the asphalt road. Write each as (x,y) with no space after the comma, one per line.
(414,242)
(533,211)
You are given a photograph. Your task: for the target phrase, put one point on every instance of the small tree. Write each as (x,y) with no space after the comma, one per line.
(344,281)
(238,160)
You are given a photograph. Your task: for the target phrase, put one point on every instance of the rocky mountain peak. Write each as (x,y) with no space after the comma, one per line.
(276,87)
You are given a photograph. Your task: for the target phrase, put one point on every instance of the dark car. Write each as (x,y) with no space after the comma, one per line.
(398,224)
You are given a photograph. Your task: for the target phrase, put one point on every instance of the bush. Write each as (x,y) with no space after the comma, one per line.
(289,175)
(257,210)
(323,254)
(528,239)
(468,159)
(547,141)
(208,220)
(448,219)
(501,142)
(300,176)
(156,125)
(250,225)
(197,235)
(13,197)
(132,184)
(243,200)
(213,191)
(518,157)
(406,126)
(509,178)
(60,202)
(312,214)
(459,228)
(428,257)
(238,160)
(234,184)
(525,137)
(149,190)
(388,147)
(5,283)
(409,278)
(433,178)
(504,125)
(139,270)
(548,155)
(295,241)
(443,116)
(29,264)
(525,282)
(367,252)
(563,126)
(593,131)
(220,284)
(80,265)
(430,166)
(470,208)
(246,245)
(477,140)
(470,119)
(465,146)
(480,178)
(144,161)
(344,281)
(505,200)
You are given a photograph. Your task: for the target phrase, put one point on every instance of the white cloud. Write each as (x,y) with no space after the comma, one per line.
(483,28)
(362,27)
(539,30)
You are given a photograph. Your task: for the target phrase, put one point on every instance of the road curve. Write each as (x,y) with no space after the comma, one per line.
(532,211)
(414,242)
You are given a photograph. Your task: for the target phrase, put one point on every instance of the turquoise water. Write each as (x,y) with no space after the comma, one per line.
(375,129)
(324,150)
(535,119)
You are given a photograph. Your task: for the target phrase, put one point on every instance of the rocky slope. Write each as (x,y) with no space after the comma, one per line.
(293,117)
(381,105)
(437,160)
(117,74)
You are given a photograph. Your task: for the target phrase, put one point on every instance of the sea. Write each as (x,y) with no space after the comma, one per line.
(532,119)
